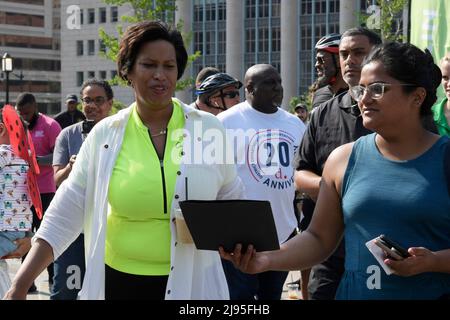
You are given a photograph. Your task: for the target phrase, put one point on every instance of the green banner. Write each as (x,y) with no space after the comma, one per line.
(430,28)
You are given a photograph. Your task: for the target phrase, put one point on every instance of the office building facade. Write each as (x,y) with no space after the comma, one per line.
(30,34)
(81,45)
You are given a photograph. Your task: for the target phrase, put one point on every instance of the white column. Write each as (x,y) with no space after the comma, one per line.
(184,12)
(348,15)
(289,49)
(235,38)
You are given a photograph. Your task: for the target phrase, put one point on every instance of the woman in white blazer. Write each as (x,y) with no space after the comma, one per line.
(112,167)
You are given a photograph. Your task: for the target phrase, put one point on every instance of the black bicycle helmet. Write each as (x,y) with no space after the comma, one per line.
(216,82)
(329,43)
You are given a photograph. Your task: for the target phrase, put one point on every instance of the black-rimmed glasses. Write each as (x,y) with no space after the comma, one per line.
(98,101)
(376,90)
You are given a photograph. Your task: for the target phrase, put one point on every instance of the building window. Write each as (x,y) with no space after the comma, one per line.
(91,47)
(263,40)
(263,8)
(276,8)
(80,48)
(198,13)
(305,32)
(114,14)
(21,19)
(102,75)
(222,42)
(91,16)
(276,39)
(251,9)
(91,74)
(250,40)
(222,11)
(113,74)
(80,78)
(101,46)
(81,16)
(198,41)
(102,15)
(210,42)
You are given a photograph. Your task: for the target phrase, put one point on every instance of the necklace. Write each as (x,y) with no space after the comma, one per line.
(161,132)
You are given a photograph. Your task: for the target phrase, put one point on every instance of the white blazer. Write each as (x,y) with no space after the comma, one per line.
(81,204)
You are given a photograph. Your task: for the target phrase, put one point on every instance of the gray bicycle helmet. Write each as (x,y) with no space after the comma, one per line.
(329,43)
(216,82)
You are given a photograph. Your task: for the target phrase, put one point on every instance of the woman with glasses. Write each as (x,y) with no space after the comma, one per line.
(124,188)
(217,93)
(390,182)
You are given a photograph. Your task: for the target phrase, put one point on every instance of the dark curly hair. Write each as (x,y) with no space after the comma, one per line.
(101,83)
(141,33)
(408,64)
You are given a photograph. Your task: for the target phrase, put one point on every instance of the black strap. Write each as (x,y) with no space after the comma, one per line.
(447,165)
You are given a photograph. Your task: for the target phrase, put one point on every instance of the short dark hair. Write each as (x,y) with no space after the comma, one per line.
(140,33)
(408,64)
(373,37)
(205,73)
(101,83)
(25,98)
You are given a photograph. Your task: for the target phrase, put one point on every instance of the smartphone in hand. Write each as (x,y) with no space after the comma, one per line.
(393,249)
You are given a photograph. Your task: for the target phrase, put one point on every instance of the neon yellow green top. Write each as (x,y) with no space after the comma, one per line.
(138,223)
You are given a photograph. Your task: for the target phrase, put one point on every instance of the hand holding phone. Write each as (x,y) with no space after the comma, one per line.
(392,249)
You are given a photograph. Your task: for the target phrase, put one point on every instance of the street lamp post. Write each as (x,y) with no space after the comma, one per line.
(7,67)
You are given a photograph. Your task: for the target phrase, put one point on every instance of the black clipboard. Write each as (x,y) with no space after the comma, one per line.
(215,223)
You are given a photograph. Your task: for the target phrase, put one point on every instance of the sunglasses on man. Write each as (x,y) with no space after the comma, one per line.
(230,94)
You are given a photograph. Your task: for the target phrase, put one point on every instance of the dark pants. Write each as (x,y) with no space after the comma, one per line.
(46,198)
(262,286)
(125,286)
(326,276)
(69,271)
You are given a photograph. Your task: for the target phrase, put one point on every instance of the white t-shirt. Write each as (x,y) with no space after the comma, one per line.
(264,148)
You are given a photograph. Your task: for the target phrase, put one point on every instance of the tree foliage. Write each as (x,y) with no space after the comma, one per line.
(386,18)
(144,10)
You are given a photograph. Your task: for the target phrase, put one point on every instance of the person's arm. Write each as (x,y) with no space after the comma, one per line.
(39,257)
(23,246)
(318,241)
(421,260)
(61,172)
(307,182)
(306,178)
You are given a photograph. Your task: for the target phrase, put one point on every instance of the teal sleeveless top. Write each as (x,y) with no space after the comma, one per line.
(405,200)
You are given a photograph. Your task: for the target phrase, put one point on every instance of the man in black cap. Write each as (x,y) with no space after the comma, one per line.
(72,115)
(301,111)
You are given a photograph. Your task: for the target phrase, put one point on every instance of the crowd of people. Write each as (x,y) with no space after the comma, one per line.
(368,157)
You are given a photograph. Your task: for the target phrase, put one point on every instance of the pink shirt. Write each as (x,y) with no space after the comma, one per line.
(44,136)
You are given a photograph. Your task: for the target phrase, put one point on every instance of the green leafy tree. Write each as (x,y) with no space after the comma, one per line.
(117,105)
(304,98)
(144,10)
(386,18)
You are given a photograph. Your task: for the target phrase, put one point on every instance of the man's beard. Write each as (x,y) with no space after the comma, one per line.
(323,81)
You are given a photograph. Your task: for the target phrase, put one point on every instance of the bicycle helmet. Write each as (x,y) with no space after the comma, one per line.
(216,82)
(329,43)
(213,84)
